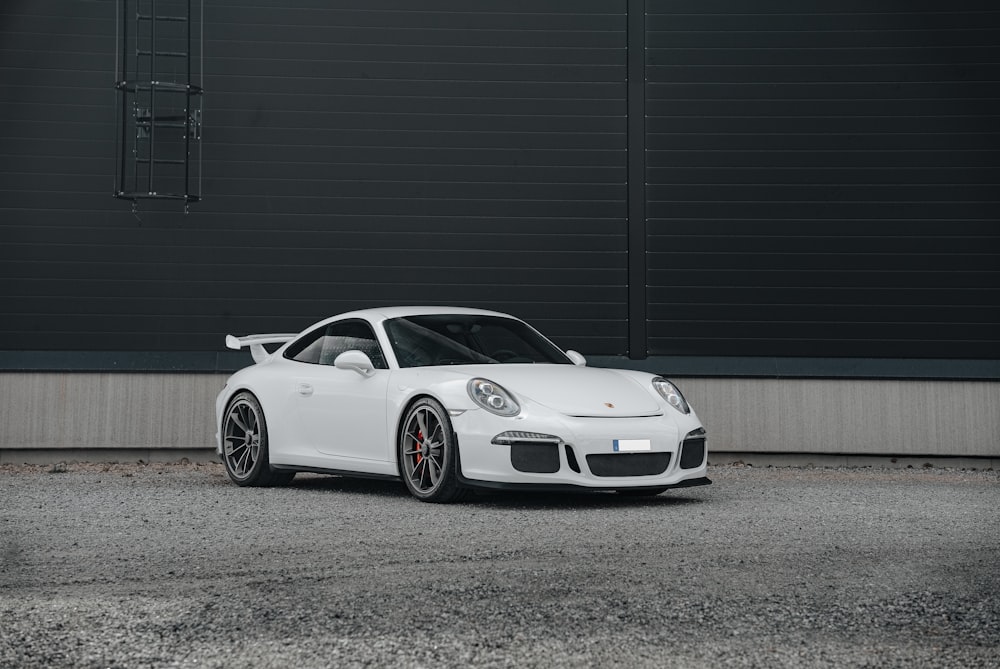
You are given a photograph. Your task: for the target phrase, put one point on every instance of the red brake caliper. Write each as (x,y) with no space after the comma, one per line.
(420,442)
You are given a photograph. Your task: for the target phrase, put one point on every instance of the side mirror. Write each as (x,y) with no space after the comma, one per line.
(577,359)
(355,361)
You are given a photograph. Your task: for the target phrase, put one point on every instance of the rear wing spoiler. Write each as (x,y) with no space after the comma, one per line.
(256,343)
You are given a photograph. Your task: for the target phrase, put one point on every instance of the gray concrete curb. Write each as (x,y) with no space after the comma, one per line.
(850,461)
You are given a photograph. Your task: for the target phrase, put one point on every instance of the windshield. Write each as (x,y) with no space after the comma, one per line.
(451,339)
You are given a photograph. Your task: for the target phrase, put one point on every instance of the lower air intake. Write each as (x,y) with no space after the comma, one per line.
(535,458)
(628,464)
(692,452)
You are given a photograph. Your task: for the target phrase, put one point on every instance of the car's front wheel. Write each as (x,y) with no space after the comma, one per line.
(427,453)
(244,444)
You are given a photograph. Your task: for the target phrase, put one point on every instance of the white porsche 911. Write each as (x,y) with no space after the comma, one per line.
(451,399)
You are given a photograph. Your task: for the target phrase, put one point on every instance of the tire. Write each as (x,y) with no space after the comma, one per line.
(244,444)
(641,492)
(427,453)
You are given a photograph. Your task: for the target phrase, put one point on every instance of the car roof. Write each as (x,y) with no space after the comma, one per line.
(380,313)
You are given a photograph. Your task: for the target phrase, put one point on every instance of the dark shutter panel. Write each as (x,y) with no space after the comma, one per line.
(824,178)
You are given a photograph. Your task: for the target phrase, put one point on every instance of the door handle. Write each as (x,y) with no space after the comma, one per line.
(304,389)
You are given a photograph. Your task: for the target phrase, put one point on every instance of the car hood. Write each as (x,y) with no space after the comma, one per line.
(572,390)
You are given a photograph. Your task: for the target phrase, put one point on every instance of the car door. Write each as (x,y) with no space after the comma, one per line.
(340,413)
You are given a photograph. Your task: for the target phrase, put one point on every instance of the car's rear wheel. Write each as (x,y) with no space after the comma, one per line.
(244,444)
(427,452)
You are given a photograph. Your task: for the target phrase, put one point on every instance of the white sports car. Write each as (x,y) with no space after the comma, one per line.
(451,399)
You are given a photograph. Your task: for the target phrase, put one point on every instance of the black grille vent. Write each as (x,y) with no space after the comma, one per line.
(630,464)
(571,459)
(692,452)
(535,458)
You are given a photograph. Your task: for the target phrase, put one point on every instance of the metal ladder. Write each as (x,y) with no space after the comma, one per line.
(158,87)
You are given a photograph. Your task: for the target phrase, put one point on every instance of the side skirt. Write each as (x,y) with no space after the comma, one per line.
(336,472)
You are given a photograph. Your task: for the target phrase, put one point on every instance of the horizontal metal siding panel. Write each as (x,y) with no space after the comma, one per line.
(356,154)
(823,178)
(320,205)
(795,73)
(15,148)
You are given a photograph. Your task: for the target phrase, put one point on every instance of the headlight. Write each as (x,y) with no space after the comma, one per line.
(512,437)
(493,398)
(669,392)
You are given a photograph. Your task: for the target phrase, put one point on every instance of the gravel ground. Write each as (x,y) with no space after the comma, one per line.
(173,566)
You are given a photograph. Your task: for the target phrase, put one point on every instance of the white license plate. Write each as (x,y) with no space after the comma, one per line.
(632,445)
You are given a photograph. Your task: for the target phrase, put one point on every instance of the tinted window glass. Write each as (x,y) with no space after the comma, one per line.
(322,346)
(446,339)
(307,348)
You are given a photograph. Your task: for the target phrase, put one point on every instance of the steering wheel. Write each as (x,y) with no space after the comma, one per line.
(504,354)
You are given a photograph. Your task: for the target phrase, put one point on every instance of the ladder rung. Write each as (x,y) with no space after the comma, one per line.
(153,195)
(158,124)
(169,87)
(147,17)
(142,116)
(172,54)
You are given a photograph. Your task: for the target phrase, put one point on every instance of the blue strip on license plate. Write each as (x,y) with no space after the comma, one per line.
(632,445)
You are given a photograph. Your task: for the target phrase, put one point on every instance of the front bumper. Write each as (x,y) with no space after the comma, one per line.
(581,452)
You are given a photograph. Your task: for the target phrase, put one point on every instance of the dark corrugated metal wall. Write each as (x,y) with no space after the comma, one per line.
(822,175)
(824,178)
(375,153)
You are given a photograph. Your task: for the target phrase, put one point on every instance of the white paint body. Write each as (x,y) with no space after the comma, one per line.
(321,417)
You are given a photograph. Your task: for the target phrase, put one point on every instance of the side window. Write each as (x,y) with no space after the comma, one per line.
(351,336)
(308,348)
(323,345)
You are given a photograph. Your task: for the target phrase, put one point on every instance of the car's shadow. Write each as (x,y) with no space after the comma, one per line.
(498,499)
(575,500)
(349,484)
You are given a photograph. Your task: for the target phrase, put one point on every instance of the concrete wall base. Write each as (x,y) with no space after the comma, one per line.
(49,456)
(849,416)
(149,412)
